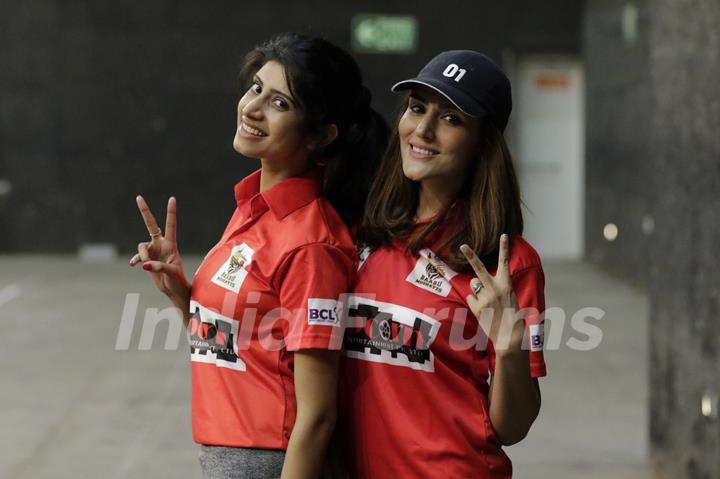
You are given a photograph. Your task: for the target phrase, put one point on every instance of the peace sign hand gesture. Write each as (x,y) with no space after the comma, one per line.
(493,300)
(160,255)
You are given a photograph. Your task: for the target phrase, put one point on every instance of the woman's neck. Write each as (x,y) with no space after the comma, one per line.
(271,175)
(433,198)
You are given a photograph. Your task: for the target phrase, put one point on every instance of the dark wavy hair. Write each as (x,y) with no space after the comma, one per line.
(489,204)
(327,83)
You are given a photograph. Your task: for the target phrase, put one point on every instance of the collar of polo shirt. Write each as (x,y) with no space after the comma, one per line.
(284,197)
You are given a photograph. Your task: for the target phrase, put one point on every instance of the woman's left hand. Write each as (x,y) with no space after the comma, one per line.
(493,299)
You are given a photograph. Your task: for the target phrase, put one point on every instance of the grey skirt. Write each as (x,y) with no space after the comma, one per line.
(219,462)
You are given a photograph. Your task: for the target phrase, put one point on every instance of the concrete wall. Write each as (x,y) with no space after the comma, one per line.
(685,279)
(619,163)
(653,151)
(102,100)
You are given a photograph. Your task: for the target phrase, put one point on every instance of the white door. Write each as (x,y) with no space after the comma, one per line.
(549,153)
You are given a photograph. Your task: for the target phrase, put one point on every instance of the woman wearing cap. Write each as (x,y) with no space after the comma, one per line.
(262,308)
(427,322)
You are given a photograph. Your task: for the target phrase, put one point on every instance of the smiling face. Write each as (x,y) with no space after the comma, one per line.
(438,142)
(270,123)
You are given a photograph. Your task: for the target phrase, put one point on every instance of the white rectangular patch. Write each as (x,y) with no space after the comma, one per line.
(389,333)
(431,274)
(213,338)
(537,336)
(362,256)
(232,273)
(324,312)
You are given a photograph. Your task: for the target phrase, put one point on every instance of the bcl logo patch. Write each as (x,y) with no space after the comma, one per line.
(324,312)
(537,336)
(233,272)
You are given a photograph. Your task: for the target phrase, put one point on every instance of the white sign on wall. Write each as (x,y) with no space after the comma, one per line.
(549,153)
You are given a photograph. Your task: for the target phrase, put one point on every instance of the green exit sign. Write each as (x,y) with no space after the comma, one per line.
(384,33)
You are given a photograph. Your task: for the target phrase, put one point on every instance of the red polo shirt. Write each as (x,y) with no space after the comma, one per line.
(268,288)
(414,394)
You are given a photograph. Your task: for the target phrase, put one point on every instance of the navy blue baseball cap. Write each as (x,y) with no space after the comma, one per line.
(471,81)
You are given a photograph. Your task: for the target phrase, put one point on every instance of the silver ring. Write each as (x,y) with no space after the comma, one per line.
(476,287)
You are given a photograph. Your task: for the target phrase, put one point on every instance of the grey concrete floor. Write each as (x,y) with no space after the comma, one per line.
(73,405)
(594,422)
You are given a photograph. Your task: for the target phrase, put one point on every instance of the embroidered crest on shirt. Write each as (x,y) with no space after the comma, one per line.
(233,272)
(431,274)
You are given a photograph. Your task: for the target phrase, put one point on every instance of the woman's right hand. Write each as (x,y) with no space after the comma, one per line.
(160,255)
(493,300)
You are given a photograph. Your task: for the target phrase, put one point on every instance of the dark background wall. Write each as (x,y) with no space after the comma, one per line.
(653,150)
(100,101)
(685,279)
(619,162)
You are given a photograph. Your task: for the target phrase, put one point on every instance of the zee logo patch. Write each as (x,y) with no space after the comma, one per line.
(325,312)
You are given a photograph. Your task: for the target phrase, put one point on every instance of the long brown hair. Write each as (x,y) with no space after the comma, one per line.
(489,204)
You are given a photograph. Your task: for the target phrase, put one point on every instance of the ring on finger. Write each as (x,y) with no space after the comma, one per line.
(156,234)
(477,286)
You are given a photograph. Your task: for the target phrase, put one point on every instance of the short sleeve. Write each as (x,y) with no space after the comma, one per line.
(310,281)
(529,286)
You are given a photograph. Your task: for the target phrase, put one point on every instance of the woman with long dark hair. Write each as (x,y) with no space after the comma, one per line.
(442,362)
(262,310)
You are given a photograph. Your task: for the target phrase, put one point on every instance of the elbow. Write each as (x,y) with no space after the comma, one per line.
(512,438)
(327,421)
(511,433)
(318,423)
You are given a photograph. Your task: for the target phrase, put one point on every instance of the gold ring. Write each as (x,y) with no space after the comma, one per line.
(157,234)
